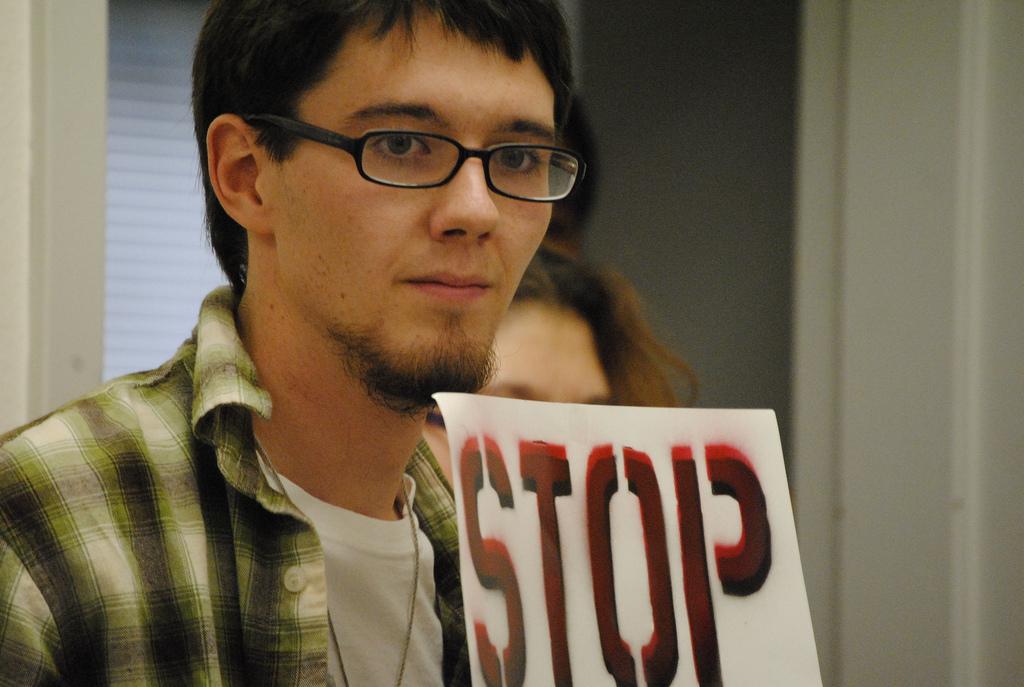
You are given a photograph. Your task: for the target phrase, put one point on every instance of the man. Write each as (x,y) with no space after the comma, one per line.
(378,175)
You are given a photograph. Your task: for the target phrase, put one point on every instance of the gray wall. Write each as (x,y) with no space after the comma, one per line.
(693,109)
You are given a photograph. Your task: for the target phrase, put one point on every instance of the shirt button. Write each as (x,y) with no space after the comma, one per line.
(295,579)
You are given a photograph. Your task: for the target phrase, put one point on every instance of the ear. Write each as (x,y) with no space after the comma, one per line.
(236,162)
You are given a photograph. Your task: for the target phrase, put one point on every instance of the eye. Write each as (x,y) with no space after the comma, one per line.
(401,145)
(520,160)
(398,144)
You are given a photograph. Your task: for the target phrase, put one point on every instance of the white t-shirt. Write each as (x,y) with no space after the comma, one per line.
(369,571)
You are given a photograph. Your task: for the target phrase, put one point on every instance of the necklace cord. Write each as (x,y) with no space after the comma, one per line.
(415,583)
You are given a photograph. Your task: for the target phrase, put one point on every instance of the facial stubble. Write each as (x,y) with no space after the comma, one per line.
(404,380)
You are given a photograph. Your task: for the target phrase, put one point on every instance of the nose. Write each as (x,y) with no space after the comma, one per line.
(466,206)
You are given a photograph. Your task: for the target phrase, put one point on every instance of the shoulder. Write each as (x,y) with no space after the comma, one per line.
(74,471)
(125,414)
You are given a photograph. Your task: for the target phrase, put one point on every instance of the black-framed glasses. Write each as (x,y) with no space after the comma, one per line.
(413,159)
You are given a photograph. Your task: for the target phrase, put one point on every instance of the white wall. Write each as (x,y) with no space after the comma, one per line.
(14,227)
(993,609)
(69,96)
(908,336)
(52,186)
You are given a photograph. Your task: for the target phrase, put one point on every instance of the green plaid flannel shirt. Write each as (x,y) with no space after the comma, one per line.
(141,544)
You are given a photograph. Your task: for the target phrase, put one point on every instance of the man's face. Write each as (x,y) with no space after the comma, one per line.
(408,285)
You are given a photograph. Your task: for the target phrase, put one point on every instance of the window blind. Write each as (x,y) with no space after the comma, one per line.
(159,265)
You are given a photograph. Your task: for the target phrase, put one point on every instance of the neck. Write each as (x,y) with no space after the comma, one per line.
(325,434)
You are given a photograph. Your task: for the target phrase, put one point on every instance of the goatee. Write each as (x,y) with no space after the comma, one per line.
(403,382)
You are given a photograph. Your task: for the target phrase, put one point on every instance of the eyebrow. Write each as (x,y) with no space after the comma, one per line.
(526,126)
(428,115)
(423,113)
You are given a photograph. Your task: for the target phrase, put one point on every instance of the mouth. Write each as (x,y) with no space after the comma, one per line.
(451,287)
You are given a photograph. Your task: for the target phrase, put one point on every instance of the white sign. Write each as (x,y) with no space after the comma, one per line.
(606,545)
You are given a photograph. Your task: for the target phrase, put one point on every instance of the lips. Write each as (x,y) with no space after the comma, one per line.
(454,281)
(451,287)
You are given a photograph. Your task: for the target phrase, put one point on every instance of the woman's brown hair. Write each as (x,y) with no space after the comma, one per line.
(641,370)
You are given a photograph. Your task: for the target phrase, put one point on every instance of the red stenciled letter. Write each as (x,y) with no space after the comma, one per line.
(602,483)
(493,563)
(661,654)
(545,471)
(696,585)
(742,567)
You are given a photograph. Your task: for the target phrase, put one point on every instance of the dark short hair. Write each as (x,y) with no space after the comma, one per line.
(262,56)
(641,370)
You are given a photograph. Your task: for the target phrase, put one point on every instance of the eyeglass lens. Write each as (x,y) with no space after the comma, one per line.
(421,160)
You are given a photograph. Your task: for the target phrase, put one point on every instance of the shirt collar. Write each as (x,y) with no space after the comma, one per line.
(224,374)
(225,391)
